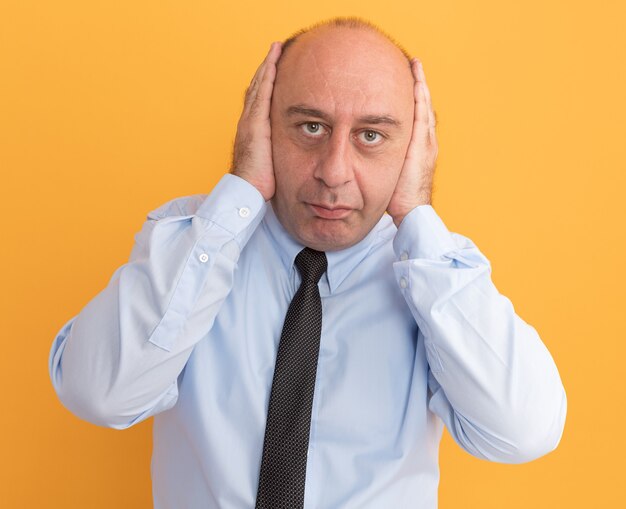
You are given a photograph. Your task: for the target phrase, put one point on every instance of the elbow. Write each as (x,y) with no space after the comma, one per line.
(83,393)
(80,395)
(535,434)
(108,407)
(87,404)
(521,437)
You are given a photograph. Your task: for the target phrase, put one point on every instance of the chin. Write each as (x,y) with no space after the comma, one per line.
(328,237)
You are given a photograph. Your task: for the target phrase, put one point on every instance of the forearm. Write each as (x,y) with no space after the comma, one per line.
(118,360)
(494,382)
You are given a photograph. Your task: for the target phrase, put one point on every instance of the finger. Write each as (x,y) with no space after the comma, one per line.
(257,73)
(421,106)
(422,78)
(432,118)
(419,135)
(262,101)
(255,84)
(253,87)
(252,90)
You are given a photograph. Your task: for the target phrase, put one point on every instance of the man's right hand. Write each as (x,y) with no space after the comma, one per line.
(252,153)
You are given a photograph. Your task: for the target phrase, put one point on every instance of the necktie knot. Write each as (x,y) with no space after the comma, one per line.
(311,264)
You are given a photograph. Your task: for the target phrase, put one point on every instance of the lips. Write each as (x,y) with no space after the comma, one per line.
(326,212)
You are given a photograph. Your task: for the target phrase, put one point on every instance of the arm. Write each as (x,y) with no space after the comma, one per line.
(117,362)
(493,382)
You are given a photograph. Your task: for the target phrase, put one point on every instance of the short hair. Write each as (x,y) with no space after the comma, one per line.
(352,22)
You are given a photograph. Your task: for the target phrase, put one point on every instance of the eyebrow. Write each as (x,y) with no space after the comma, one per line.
(365,119)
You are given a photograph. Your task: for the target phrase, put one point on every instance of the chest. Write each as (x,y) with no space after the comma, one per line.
(368,345)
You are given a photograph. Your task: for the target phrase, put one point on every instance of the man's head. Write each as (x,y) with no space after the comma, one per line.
(341,120)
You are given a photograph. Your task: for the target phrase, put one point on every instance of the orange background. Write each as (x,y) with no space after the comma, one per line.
(110,108)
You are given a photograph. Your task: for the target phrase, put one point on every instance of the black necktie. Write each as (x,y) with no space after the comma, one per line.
(283,465)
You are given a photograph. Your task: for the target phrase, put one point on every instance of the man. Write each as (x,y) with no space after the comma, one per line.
(333,396)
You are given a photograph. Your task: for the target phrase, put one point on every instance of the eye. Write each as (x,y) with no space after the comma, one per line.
(369,137)
(313,128)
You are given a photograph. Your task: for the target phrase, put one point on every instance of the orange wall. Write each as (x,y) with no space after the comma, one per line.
(108,109)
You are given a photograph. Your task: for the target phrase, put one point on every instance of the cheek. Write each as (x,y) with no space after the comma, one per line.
(292,165)
(282,158)
(377,193)
(396,160)
(379,177)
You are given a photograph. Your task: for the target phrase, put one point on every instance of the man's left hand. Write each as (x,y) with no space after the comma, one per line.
(415,183)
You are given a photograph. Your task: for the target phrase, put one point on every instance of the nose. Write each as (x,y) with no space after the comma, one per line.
(335,166)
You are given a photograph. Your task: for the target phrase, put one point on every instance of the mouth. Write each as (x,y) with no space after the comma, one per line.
(326,212)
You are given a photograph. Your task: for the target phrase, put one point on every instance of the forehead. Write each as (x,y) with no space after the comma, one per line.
(344,72)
